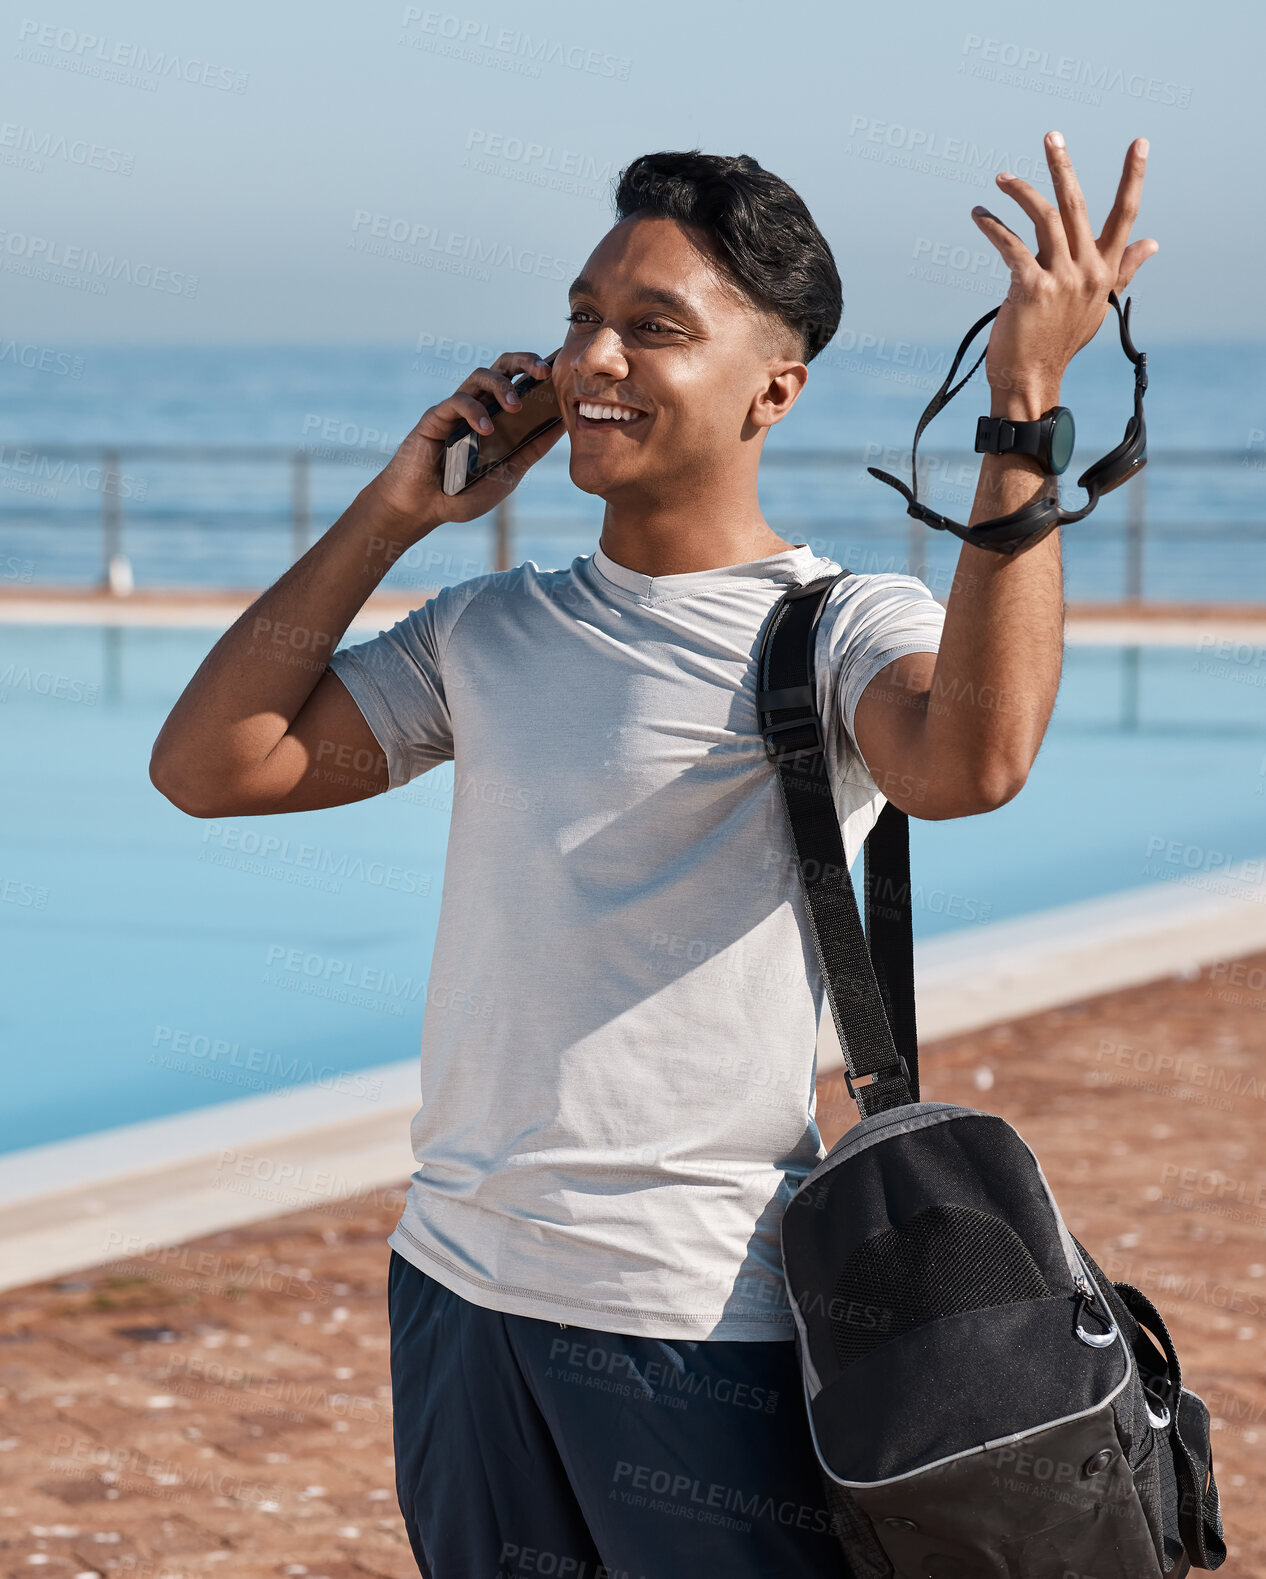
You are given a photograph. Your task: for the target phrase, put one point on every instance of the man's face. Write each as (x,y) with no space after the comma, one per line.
(654,331)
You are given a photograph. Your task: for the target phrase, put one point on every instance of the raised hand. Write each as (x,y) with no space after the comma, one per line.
(1058,295)
(409,487)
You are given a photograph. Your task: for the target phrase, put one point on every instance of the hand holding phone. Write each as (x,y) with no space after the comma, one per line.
(470,454)
(410,487)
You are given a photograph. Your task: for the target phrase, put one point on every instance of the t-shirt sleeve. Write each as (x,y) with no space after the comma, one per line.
(397,681)
(878,619)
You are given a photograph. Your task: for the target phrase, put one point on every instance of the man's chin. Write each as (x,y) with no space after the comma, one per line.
(599,477)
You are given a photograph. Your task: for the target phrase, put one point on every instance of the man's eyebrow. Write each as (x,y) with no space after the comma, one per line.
(657,295)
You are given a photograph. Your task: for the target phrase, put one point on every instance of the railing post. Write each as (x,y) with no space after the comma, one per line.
(116,570)
(300,503)
(503,536)
(1135,533)
(1131,664)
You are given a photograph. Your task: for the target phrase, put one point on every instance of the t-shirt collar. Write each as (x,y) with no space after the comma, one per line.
(788,565)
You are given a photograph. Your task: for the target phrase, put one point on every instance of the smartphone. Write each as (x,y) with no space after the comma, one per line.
(469,455)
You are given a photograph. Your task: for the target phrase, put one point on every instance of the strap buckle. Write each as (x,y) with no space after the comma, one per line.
(809,740)
(876,1076)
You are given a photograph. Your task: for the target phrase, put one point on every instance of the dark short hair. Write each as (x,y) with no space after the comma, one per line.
(762,235)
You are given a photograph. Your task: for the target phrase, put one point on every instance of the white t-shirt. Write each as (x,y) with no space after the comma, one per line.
(619,1043)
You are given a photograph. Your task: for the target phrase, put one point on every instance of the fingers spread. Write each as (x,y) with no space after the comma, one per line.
(1125,209)
(1079,237)
(1052,243)
(1014,253)
(1135,254)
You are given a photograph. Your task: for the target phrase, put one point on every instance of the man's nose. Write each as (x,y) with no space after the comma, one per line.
(603,354)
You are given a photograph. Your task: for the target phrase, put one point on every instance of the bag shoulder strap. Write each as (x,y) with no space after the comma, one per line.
(869,976)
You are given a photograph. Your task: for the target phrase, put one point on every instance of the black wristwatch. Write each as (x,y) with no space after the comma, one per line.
(1049,440)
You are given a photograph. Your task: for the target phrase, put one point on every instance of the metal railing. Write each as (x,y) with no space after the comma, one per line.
(111,461)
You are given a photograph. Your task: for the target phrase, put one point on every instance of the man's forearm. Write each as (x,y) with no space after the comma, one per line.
(997,672)
(963,728)
(964,725)
(259,674)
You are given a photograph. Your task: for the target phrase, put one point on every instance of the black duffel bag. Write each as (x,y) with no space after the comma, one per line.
(983,1400)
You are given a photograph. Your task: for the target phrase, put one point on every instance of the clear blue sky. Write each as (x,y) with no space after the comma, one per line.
(274,150)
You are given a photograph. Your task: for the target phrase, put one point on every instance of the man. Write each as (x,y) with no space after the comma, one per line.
(592,1362)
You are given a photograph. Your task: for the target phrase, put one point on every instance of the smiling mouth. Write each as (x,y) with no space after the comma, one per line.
(592,416)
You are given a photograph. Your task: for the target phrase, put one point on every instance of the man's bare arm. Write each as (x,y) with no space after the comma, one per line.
(263,723)
(956,732)
(264,726)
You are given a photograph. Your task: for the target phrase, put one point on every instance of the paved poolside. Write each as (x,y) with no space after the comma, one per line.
(223,1407)
(74,1203)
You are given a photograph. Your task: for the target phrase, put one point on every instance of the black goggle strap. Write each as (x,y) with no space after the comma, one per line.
(1099,478)
(1139,358)
(1033,521)
(1127,343)
(938,402)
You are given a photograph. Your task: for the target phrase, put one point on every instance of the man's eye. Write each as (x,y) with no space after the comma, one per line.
(580,315)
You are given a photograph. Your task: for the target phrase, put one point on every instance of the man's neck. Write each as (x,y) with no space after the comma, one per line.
(667,542)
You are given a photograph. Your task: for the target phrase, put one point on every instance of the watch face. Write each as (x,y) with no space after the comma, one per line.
(1063,436)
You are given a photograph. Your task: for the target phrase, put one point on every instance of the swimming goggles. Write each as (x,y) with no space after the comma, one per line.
(1028,525)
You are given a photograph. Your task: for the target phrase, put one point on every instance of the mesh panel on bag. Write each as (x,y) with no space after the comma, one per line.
(945,1260)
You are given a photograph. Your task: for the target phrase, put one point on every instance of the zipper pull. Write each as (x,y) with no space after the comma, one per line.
(1087,1303)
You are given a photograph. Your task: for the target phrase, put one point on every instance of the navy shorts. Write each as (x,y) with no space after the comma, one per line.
(530,1450)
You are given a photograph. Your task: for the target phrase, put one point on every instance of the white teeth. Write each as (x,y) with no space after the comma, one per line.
(604,413)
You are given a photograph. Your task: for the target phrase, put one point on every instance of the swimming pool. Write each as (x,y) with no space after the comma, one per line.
(155,963)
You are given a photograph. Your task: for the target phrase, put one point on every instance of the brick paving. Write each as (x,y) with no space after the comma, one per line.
(224,1408)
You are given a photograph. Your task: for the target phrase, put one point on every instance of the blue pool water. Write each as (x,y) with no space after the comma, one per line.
(155,963)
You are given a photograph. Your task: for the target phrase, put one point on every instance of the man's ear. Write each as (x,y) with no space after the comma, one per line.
(772,403)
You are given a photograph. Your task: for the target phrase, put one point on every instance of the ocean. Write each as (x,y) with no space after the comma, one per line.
(205,523)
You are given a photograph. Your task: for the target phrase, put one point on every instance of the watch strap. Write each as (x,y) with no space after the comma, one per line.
(1002,436)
